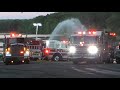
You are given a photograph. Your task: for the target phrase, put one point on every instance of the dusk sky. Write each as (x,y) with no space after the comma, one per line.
(21,15)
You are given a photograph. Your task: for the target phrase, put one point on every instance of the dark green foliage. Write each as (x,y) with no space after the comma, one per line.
(101,20)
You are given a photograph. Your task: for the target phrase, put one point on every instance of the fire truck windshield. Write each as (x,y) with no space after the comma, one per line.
(85,39)
(15,40)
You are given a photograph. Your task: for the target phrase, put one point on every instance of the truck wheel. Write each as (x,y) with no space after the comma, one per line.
(57,57)
(6,63)
(118,60)
(27,61)
(109,61)
(75,62)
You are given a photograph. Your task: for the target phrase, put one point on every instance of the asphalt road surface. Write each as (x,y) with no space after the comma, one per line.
(48,69)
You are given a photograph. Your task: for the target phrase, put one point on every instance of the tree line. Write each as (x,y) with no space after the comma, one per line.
(101,20)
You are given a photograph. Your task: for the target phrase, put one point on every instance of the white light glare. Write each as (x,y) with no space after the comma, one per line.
(92,49)
(72,49)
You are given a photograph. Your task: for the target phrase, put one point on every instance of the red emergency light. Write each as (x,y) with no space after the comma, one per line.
(82,32)
(112,34)
(46,51)
(12,35)
(15,35)
(79,32)
(92,32)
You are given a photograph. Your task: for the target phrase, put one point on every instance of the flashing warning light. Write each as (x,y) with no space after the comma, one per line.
(65,42)
(12,35)
(79,32)
(92,32)
(89,32)
(112,34)
(11,61)
(46,51)
(81,43)
(84,32)
(21,52)
(15,35)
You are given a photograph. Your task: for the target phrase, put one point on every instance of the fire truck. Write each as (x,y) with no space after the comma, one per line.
(15,49)
(55,50)
(91,46)
(35,47)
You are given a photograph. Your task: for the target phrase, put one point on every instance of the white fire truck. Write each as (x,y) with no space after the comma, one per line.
(91,45)
(55,50)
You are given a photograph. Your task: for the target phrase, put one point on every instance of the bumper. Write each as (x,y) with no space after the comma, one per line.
(83,56)
(11,58)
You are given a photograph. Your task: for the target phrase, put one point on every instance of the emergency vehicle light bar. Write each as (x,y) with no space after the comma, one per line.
(86,32)
(112,34)
(15,35)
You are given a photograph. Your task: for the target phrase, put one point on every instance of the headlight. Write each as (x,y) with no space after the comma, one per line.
(72,49)
(27,53)
(92,49)
(8,53)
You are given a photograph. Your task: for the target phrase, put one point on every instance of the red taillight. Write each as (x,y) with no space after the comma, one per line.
(46,51)
(112,34)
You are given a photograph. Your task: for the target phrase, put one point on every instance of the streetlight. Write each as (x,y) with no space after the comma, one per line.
(37,25)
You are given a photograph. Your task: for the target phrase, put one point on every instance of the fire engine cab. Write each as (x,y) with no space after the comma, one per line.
(55,50)
(15,50)
(91,45)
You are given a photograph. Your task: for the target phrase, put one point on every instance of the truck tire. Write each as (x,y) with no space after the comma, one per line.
(6,63)
(118,60)
(75,62)
(27,61)
(57,57)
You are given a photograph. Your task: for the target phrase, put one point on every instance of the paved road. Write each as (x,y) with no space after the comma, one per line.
(59,70)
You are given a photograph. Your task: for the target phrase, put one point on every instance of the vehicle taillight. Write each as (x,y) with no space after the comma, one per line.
(46,51)
(112,34)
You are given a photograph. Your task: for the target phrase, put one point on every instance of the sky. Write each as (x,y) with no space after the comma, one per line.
(21,15)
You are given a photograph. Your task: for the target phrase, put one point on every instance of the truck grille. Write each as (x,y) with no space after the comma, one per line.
(16,49)
(81,49)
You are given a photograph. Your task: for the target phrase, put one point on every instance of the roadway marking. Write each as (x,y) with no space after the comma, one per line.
(103,71)
(78,70)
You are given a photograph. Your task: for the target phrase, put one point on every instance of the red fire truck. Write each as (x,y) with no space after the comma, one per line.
(15,49)
(35,47)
